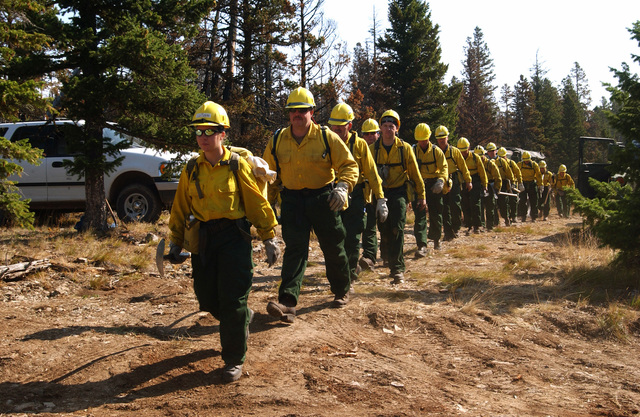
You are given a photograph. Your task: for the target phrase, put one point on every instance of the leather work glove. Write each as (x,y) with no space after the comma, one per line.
(437,187)
(338,196)
(382,211)
(521,187)
(273,251)
(174,254)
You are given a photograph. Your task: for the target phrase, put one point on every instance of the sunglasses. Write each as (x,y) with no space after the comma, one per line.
(302,111)
(369,133)
(209,132)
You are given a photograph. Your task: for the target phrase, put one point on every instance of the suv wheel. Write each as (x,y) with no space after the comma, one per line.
(138,203)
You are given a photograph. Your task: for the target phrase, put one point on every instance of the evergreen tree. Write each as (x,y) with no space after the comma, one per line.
(614,214)
(527,133)
(411,59)
(505,117)
(573,127)
(547,99)
(21,99)
(368,94)
(477,107)
(125,64)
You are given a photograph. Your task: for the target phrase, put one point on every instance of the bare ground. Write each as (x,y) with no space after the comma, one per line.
(485,327)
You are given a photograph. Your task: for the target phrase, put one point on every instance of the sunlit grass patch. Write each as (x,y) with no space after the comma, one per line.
(614,323)
(522,261)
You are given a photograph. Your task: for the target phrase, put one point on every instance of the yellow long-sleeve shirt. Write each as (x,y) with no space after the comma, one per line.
(547,178)
(517,175)
(493,173)
(530,171)
(366,165)
(223,197)
(456,163)
(309,164)
(563,180)
(505,169)
(399,172)
(476,166)
(432,162)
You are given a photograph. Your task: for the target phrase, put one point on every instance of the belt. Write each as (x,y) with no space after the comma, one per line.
(307,192)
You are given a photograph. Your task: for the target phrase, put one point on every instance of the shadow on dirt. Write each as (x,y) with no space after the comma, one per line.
(118,389)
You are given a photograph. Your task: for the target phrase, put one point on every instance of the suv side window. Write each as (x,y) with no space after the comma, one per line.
(3,131)
(46,137)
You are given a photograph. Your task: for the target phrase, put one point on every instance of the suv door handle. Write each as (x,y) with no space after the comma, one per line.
(56,164)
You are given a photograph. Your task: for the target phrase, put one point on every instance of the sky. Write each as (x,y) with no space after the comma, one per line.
(560,32)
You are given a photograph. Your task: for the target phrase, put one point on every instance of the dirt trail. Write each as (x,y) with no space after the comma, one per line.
(515,346)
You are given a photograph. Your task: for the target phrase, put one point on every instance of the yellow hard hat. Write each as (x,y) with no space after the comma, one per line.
(543,164)
(479,150)
(300,98)
(562,168)
(441,132)
(390,114)
(463,144)
(502,151)
(210,114)
(491,147)
(526,156)
(341,115)
(370,125)
(422,132)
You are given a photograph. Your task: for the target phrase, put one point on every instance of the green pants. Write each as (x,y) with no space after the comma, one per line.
(301,211)
(544,204)
(562,203)
(513,207)
(528,201)
(471,202)
(392,230)
(489,204)
(369,235)
(434,206)
(223,282)
(452,209)
(353,219)
(503,202)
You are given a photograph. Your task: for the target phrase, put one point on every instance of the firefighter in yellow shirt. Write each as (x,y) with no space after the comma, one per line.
(507,179)
(397,166)
(317,173)
(433,169)
(563,181)
(512,200)
(218,200)
(370,132)
(544,204)
(531,179)
(495,183)
(461,179)
(353,217)
(472,199)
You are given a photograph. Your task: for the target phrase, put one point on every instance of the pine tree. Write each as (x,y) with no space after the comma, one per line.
(614,214)
(505,117)
(21,99)
(547,99)
(368,95)
(573,126)
(477,106)
(124,63)
(413,71)
(527,133)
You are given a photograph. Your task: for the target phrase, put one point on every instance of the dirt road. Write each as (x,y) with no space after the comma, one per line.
(485,327)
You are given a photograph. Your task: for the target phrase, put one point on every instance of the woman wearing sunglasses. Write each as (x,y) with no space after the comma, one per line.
(215,205)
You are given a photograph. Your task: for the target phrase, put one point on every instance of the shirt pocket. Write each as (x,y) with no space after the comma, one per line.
(225,191)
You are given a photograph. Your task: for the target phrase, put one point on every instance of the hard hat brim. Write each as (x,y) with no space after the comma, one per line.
(299,106)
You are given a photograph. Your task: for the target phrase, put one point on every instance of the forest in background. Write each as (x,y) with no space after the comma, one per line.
(148,65)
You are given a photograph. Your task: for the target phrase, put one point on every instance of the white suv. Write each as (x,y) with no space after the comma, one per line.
(137,190)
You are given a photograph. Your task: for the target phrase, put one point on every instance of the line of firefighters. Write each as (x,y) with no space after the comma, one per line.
(343,187)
